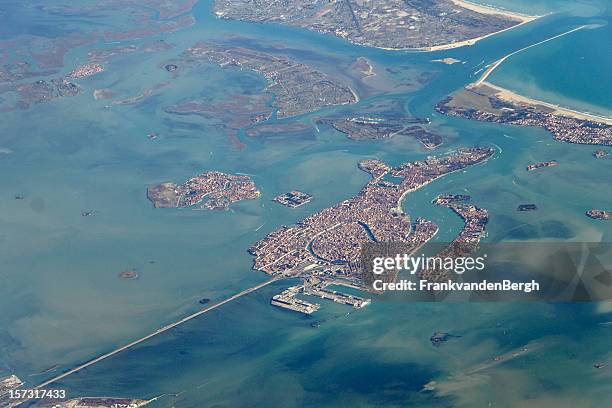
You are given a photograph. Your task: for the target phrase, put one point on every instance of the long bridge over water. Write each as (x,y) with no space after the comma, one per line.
(159,331)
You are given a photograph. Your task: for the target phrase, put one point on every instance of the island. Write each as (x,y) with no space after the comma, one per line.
(600,154)
(447,60)
(129,274)
(39,92)
(215,189)
(297,87)
(484,101)
(527,207)
(425,25)
(599,214)
(438,338)
(98,402)
(293,199)
(383,127)
(535,166)
(86,70)
(490,103)
(474,219)
(9,383)
(290,131)
(328,243)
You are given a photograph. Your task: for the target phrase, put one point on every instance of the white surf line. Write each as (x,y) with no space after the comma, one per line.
(157,332)
(501,60)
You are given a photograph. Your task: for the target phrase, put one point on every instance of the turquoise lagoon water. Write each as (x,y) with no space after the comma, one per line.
(62,302)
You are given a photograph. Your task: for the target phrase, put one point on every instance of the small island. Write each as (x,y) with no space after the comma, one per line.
(600,154)
(293,199)
(447,61)
(129,274)
(86,70)
(536,166)
(599,214)
(214,189)
(9,383)
(438,338)
(527,207)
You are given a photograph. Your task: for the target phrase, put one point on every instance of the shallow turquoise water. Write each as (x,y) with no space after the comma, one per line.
(62,302)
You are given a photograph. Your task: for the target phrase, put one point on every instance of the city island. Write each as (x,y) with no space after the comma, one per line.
(215,189)
(325,248)
(474,222)
(420,25)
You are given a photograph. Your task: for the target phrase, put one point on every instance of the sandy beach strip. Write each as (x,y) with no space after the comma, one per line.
(522,18)
(510,96)
(482,9)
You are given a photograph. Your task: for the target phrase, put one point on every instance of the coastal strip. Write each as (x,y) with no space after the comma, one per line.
(157,332)
(487,102)
(485,9)
(523,18)
(512,97)
(397,25)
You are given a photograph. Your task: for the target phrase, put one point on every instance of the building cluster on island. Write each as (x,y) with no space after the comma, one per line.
(600,153)
(86,70)
(535,166)
(98,402)
(293,199)
(218,190)
(42,91)
(7,384)
(328,243)
(389,24)
(298,88)
(599,214)
(482,102)
(474,222)
(382,127)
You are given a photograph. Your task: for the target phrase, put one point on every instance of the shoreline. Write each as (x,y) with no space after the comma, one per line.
(482,9)
(511,96)
(485,9)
